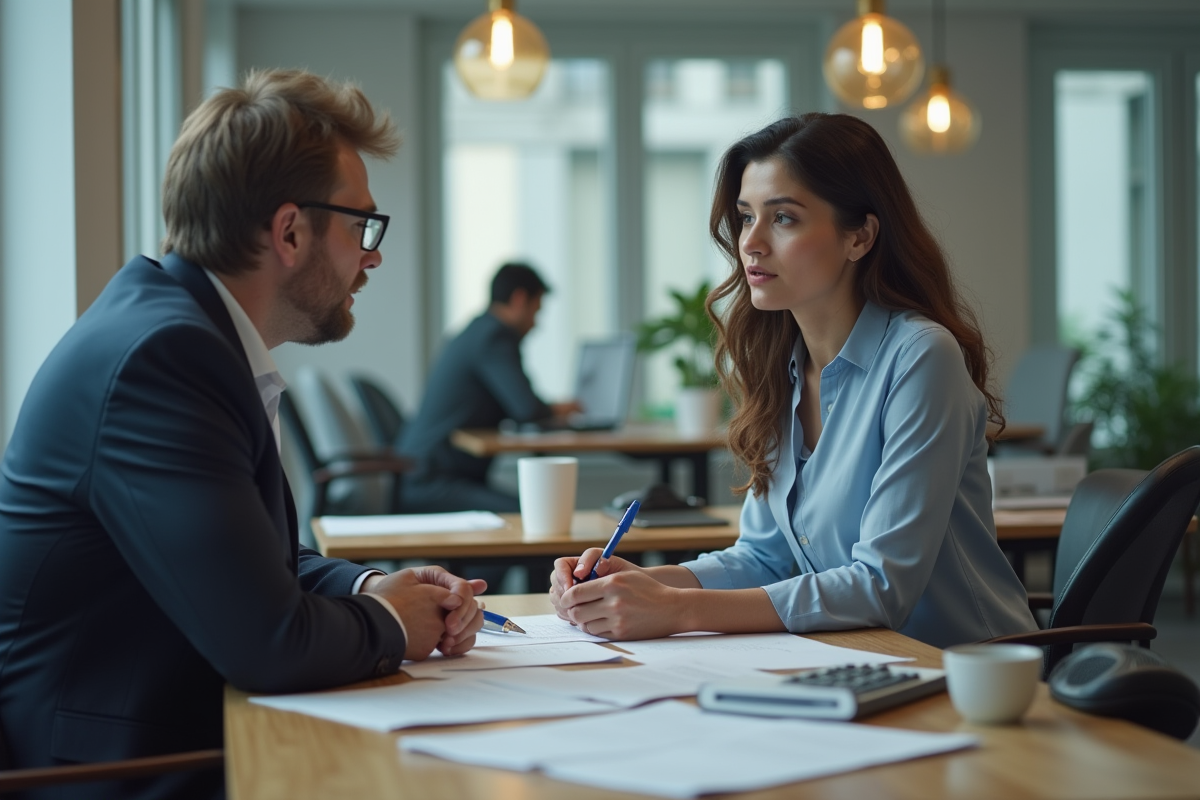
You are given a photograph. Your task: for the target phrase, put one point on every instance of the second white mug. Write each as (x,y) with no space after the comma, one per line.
(547,491)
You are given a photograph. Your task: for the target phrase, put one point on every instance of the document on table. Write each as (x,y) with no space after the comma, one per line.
(539,629)
(535,655)
(416,703)
(755,650)
(675,750)
(625,687)
(391,524)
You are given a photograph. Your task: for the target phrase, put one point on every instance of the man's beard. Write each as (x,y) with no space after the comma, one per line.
(319,298)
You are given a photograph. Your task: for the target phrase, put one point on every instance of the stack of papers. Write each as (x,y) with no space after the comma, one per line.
(392,524)
(676,750)
(512,681)
(417,703)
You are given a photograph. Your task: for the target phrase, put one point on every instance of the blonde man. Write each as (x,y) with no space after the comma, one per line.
(148,547)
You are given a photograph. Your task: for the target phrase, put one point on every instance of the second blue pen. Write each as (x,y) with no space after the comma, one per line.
(622,526)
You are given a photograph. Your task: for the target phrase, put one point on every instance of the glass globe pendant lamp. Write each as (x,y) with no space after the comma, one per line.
(873,61)
(501,55)
(940,121)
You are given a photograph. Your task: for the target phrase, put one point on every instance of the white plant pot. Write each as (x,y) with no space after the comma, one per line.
(697,411)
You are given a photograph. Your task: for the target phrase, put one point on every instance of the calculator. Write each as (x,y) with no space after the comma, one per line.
(847,692)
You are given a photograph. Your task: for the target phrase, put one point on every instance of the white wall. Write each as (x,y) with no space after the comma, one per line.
(376,48)
(978,202)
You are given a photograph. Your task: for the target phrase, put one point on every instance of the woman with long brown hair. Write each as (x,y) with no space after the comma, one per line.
(861,386)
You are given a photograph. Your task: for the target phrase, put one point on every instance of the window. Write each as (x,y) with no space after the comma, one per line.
(523,181)
(693,110)
(1104,127)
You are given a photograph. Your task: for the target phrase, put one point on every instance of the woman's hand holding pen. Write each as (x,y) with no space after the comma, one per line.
(570,571)
(626,603)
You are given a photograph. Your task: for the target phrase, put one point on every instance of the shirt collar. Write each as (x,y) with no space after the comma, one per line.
(860,347)
(257,354)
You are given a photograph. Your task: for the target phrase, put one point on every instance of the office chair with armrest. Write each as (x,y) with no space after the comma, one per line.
(322,472)
(16,780)
(1120,534)
(383,416)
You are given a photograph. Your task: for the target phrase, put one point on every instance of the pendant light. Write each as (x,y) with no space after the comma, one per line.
(501,55)
(940,120)
(873,61)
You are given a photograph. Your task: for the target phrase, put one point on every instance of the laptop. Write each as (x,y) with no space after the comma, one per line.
(603,383)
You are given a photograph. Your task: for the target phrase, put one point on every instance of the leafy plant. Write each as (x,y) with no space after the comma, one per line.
(1144,411)
(689,326)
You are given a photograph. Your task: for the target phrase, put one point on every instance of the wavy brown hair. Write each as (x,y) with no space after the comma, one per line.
(846,163)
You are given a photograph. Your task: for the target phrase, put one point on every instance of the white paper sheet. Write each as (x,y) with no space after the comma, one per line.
(416,703)
(539,629)
(391,524)
(753,650)
(625,687)
(675,750)
(535,655)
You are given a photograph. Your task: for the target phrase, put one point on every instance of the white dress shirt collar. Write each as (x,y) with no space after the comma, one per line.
(266,375)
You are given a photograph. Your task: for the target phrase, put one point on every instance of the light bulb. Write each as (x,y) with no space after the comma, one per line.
(873,61)
(940,121)
(937,113)
(501,55)
(872,47)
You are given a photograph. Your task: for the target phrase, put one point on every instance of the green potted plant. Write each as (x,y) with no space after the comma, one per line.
(690,330)
(1144,411)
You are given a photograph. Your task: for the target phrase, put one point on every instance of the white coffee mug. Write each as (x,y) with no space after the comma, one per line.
(547,491)
(992,683)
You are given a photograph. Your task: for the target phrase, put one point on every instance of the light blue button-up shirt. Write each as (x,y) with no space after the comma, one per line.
(888,521)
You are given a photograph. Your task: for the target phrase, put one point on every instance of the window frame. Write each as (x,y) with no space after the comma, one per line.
(1166,54)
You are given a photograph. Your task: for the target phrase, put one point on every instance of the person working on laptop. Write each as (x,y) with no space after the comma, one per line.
(478,381)
(861,386)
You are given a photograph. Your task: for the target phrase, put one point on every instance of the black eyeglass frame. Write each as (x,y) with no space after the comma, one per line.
(383,219)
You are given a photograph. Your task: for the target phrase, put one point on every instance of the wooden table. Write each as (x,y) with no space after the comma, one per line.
(1055,752)
(661,442)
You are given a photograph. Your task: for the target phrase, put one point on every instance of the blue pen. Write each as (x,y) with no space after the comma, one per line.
(622,526)
(500,624)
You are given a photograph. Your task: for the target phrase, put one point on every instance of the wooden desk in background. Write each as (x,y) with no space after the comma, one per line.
(1055,752)
(592,529)
(654,441)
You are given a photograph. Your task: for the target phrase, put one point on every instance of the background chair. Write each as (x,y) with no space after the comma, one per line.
(322,470)
(1036,394)
(1120,534)
(16,780)
(383,415)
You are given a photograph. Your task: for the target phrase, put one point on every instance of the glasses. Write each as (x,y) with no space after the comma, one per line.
(373,225)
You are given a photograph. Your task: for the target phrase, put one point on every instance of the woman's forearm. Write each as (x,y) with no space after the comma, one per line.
(728,611)
(675,576)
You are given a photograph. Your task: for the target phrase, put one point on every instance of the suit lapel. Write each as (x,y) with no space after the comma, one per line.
(273,485)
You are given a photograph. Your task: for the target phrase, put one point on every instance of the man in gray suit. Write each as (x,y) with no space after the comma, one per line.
(148,540)
(477,382)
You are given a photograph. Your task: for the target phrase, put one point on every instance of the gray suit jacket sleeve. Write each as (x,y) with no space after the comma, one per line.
(173,479)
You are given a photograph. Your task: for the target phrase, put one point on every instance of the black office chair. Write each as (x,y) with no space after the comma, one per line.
(16,780)
(1121,531)
(322,472)
(383,416)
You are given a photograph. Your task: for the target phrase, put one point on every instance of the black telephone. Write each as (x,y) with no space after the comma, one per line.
(655,497)
(662,508)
